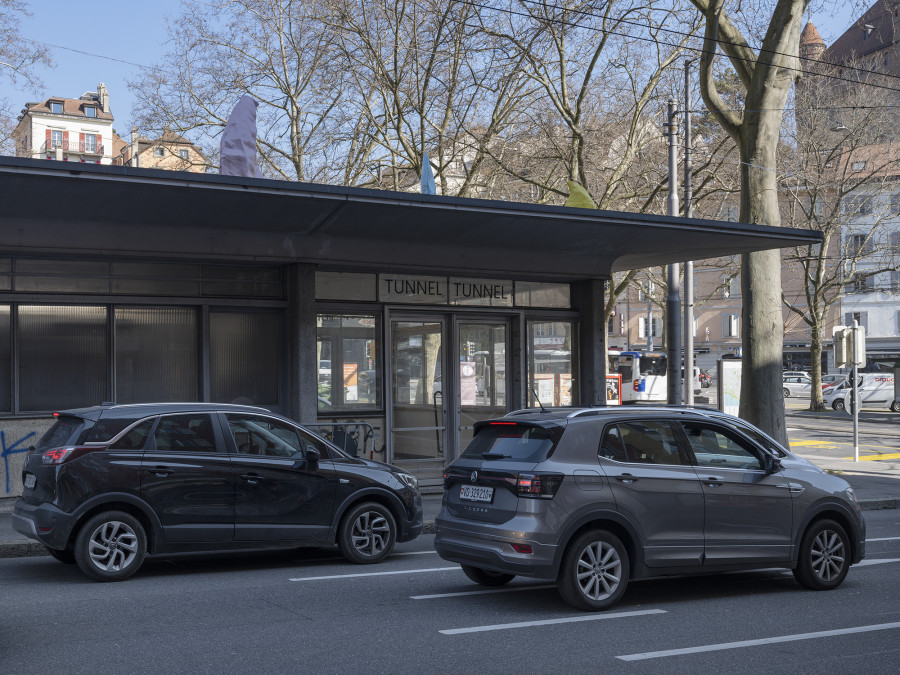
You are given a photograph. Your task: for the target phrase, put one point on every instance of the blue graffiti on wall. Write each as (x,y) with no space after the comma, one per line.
(13,449)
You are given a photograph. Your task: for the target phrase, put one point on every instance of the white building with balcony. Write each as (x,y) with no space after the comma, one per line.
(67,129)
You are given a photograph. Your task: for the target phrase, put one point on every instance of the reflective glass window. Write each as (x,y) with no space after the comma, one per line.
(156,354)
(5,355)
(62,357)
(245,357)
(347,350)
(552,371)
(536,294)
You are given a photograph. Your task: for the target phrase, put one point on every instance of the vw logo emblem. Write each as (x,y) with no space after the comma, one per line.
(474,476)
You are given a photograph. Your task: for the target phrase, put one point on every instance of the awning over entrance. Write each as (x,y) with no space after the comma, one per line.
(55,207)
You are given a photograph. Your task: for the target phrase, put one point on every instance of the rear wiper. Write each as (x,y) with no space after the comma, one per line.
(495,455)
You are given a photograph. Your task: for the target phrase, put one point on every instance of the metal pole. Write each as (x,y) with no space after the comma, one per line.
(673,297)
(689,265)
(854,393)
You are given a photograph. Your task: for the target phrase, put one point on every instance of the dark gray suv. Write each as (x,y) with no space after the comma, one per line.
(596,497)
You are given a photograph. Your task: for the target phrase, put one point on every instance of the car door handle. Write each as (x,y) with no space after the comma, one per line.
(251,478)
(714,481)
(626,478)
(160,471)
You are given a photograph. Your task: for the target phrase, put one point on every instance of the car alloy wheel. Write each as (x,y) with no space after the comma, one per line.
(487,577)
(110,546)
(595,571)
(824,556)
(895,406)
(787,392)
(838,404)
(368,532)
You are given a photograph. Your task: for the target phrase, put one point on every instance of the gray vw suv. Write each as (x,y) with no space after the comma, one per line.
(596,497)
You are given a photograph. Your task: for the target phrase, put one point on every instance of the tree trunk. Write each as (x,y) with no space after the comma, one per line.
(763,329)
(816,402)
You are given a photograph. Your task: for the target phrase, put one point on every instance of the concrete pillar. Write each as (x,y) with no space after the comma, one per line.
(304,370)
(592,339)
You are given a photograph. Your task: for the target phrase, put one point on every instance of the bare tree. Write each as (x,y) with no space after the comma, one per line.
(18,65)
(839,169)
(766,76)
(278,52)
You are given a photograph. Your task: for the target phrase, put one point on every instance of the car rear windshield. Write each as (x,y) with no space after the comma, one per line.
(503,440)
(67,430)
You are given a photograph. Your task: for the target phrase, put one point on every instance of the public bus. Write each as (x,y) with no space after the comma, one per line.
(643,375)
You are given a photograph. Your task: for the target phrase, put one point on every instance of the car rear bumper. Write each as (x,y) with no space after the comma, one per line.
(493,550)
(43,522)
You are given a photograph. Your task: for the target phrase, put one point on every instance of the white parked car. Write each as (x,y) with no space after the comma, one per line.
(795,373)
(796,385)
(876,390)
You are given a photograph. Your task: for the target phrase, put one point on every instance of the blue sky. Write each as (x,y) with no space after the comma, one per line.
(122,33)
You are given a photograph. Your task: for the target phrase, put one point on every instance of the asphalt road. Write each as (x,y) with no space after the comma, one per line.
(312,611)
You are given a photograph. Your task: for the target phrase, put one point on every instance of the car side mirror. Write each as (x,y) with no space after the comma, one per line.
(312,455)
(771,463)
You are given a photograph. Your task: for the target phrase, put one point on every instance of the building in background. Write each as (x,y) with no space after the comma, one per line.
(169,151)
(67,129)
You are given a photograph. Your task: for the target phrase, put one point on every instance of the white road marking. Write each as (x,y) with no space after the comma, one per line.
(482,592)
(551,622)
(456,568)
(876,561)
(762,641)
(883,539)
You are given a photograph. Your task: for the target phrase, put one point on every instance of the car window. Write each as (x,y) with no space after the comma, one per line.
(185,433)
(717,448)
(105,428)
(135,438)
(504,440)
(67,430)
(260,435)
(650,442)
(611,446)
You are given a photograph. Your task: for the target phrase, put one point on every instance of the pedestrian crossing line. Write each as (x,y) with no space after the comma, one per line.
(551,622)
(875,458)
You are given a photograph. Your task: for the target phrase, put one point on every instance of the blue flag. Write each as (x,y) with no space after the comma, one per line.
(428,186)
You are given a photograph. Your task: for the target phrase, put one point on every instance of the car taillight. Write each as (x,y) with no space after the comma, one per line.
(637,385)
(538,485)
(61,455)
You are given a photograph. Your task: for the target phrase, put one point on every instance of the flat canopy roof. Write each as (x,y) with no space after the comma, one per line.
(51,207)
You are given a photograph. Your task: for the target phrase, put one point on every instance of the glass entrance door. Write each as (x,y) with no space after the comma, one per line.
(418,431)
(483,388)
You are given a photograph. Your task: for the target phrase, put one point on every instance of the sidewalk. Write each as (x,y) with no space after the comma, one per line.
(877,487)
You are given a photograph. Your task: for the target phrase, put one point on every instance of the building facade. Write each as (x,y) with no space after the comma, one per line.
(67,129)
(395,320)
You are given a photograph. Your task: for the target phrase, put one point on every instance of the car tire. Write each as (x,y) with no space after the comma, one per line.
(487,577)
(824,556)
(895,406)
(66,556)
(110,546)
(594,572)
(838,404)
(367,533)
(787,393)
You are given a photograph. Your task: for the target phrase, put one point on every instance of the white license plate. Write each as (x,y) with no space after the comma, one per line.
(474,493)
(30,480)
